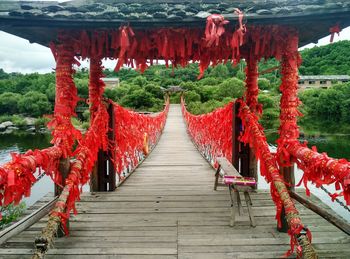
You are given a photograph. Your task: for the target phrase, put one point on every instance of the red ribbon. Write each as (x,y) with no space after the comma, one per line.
(214,29)
(334,30)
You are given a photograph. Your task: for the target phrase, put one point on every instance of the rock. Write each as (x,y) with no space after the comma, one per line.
(180,13)
(26,7)
(173,17)
(30,129)
(5,125)
(53,8)
(30,121)
(202,14)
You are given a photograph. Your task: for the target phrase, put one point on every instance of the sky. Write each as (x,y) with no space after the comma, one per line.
(18,55)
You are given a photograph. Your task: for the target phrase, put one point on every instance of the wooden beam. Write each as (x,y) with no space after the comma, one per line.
(336,221)
(26,222)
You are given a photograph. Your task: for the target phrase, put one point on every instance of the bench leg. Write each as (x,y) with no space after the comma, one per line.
(250,210)
(233,209)
(239,203)
(217,174)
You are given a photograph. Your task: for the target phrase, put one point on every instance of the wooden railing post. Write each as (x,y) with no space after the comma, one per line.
(103,176)
(64,168)
(236,128)
(243,157)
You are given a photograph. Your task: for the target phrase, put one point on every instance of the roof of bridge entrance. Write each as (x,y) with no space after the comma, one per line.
(39,21)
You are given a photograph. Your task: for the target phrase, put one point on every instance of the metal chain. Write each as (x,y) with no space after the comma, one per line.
(336,199)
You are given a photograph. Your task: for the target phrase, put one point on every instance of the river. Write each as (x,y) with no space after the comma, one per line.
(322,135)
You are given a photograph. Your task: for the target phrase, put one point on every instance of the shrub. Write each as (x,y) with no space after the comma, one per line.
(9,103)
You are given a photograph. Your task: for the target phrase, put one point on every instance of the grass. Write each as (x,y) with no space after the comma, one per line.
(11,213)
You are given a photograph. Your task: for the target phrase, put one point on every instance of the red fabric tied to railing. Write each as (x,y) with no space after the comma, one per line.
(18,176)
(134,133)
(253,134)
(321,169)
(211,132)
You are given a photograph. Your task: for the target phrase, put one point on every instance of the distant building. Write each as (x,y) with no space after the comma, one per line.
(111,82)
(321,81)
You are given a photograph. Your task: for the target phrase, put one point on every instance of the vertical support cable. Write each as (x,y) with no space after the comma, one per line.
(288,130)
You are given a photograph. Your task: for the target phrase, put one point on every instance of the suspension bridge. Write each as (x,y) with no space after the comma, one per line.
(163,204)
(168,209)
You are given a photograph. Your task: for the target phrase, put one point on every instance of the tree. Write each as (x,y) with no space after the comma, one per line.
(34,103)
(139,99)
(231,87)
(192,96)
(219,71)
(264,84)
(155,90)
(9,103)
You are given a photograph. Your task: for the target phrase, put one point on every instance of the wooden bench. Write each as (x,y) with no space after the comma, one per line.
(236,184)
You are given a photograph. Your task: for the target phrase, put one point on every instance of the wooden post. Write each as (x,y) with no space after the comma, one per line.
(64,168)
(253,166)
(243,158)
(288,175)
(236,128)
(103,175)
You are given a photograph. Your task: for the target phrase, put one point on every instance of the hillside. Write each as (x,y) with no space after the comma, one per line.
(332,59)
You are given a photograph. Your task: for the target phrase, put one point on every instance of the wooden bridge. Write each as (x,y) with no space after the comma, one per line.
(168,209)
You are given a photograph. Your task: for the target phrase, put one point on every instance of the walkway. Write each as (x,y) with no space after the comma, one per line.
(168,209)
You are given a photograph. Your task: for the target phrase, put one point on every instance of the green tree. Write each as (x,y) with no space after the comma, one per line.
(231,87)
(9,103)
(139,99)
(34,103)
(192,96)
(264,84)
(219,71)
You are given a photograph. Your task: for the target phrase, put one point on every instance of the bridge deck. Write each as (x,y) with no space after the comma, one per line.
(168,209)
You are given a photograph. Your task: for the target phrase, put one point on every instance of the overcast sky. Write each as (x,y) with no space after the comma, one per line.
(18,55)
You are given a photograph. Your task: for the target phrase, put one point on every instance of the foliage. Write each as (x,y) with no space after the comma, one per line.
(11,213)
(9,103)
(16,119)
(34,103)
(41,121)
(34,94)
(332,59)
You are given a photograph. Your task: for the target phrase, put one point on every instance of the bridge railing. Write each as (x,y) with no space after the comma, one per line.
(211,132)
(206,130)
(134,133)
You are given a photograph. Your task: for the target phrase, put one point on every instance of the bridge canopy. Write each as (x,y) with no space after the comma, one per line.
(40,21)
